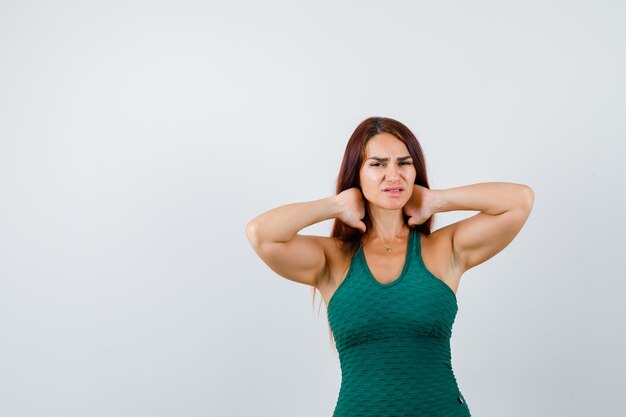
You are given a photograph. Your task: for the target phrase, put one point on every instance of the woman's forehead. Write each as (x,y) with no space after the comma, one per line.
(389,144)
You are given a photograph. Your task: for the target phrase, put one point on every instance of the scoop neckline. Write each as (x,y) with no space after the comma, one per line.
(407,260)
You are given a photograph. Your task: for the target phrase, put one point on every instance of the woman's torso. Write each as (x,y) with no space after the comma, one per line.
(392,322)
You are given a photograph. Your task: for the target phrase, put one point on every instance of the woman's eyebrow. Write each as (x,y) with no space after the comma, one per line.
(400,158)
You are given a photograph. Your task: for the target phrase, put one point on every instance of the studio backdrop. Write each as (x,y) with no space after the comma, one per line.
(138,138)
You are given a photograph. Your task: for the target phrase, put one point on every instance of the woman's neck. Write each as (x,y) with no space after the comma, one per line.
(387,231)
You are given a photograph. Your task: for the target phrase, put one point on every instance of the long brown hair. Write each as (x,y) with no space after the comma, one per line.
(348,177)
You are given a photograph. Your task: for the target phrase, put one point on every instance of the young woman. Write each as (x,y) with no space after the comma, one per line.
(388,281)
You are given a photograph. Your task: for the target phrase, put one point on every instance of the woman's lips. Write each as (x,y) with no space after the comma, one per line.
(393,193)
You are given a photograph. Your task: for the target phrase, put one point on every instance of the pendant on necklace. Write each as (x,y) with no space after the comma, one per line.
(388,249)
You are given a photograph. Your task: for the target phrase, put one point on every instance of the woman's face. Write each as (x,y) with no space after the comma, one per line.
(387,164)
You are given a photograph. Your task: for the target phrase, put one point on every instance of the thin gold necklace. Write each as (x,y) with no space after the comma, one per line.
(388,248)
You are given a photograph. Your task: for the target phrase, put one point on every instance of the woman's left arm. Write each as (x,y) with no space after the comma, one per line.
(504,208)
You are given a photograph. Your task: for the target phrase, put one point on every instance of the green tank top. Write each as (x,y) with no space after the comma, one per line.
(393,341)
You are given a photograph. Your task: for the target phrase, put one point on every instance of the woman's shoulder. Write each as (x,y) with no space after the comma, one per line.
(336,247)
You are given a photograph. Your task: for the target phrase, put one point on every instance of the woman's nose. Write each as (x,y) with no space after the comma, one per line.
(392,173)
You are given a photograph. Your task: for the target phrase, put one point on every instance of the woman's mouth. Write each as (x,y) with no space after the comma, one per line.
(392,192)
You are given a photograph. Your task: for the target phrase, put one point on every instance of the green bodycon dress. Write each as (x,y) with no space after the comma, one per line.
(393,342)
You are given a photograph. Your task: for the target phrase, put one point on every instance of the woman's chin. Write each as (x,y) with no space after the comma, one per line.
(390,205)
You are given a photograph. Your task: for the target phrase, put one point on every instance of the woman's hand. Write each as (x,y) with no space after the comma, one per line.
(420,206)
(352,208)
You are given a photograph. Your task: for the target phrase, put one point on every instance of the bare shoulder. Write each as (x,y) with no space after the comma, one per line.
(439,256)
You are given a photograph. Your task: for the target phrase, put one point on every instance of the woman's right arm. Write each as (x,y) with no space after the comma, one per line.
(299,258)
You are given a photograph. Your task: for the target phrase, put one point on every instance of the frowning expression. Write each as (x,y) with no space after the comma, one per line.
(387,173)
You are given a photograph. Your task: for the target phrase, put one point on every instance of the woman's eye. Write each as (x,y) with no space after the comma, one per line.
(402,163)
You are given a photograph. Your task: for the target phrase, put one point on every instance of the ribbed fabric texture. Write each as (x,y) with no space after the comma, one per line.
(393,342)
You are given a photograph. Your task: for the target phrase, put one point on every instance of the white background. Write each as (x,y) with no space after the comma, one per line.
(137,138)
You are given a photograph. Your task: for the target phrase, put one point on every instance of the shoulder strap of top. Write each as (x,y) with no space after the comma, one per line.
(417,245)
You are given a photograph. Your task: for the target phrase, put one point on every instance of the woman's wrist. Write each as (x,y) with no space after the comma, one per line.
(436,200)
(333,208)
